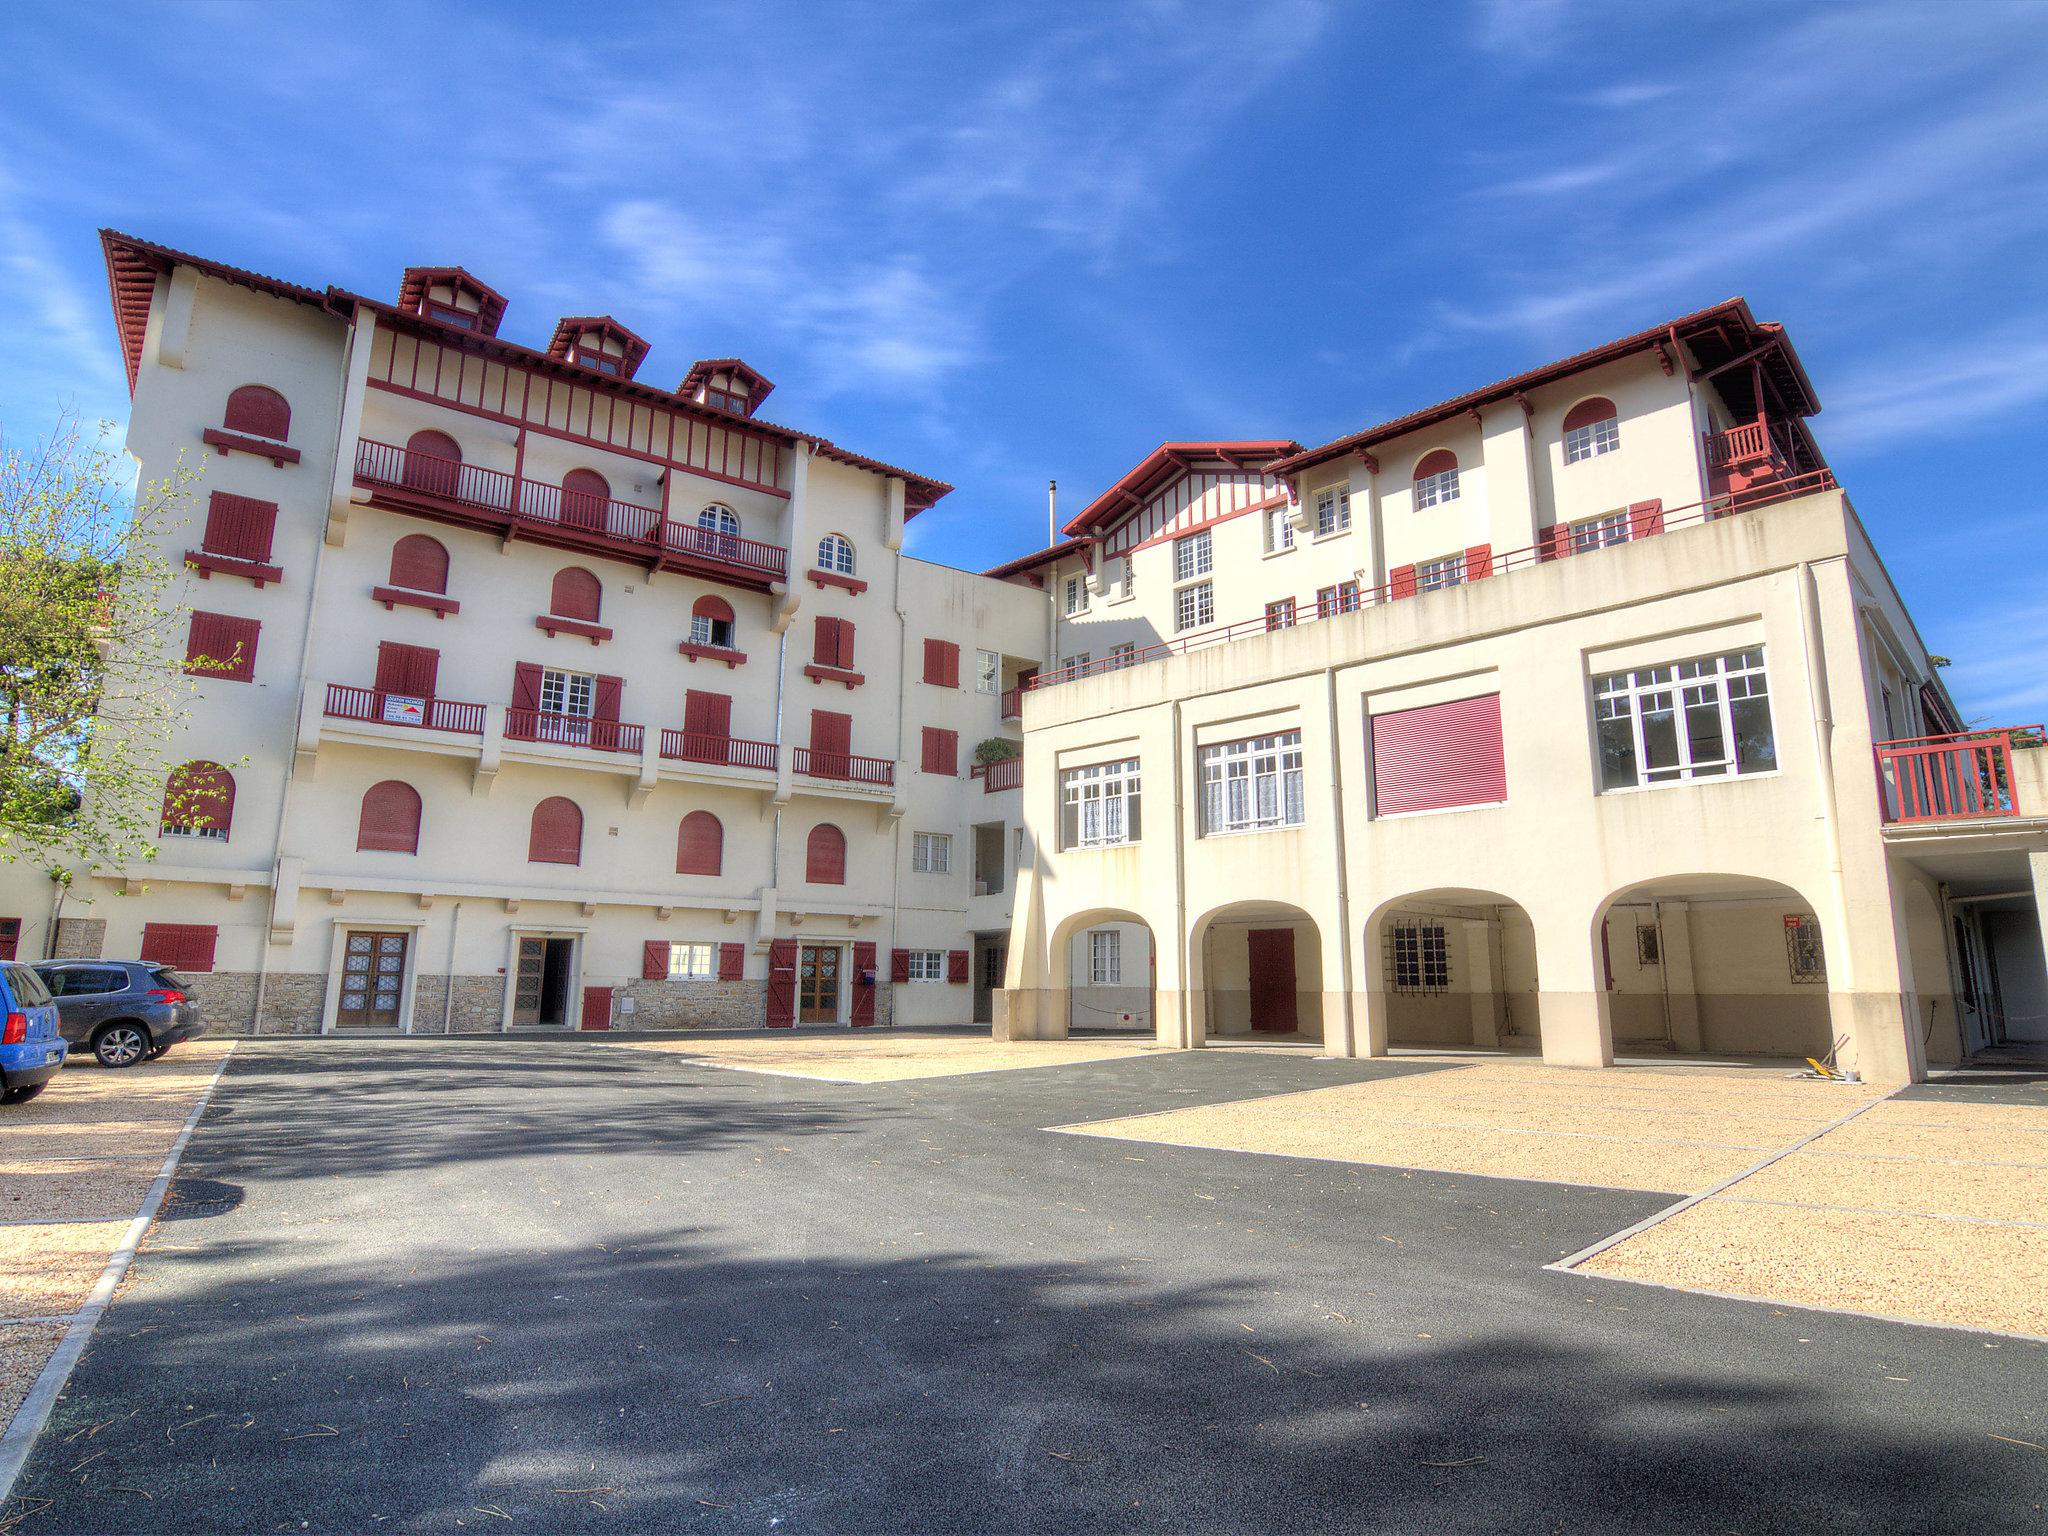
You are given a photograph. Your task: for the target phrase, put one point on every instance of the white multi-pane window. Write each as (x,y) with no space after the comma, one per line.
(931,853)
(988,671)
(1105,957)
(1194,607)
(1192,556)
(1279,530)
(1342,598)
(927,965)
(705,629)
(1280,615)
(1591,440)
(1333,511)
(1248,786)
(1447,572)
(1077,594)
(1099,805)
(1418,956)
(1705,718)
(1127,583)
(1124,655)
(692,962)
(835,554)
(720,520)
(1431,490)
(567,693)
(1076,665)
(1599,532)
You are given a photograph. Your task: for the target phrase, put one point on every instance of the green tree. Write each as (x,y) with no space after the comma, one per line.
(92,682)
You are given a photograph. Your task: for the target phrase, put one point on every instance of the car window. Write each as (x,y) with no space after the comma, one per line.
(81,982)
(27,987)
(164,976)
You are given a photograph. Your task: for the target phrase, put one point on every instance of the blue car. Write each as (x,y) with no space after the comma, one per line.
(31,1050)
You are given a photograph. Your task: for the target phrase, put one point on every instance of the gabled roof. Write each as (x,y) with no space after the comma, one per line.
(133,267)
(570,327)
(1724,333)
(413,286)
(1027,563)
(759,385)
(1166,463)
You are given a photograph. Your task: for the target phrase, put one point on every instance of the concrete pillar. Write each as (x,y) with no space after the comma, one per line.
(1478,969)
(1681,984)
(1571,1008)
(1510,477)
(2037,867)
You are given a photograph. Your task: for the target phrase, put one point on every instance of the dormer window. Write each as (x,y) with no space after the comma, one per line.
(597,360)
(719,399)
(599,343)
(448,314)
(725,384)
(450,296)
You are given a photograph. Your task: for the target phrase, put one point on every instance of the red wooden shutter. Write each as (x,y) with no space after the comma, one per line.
(181,946)
(200,794)
(1645,518)
(941,751)
(1439,755)
(258,411)
(390,818)
(10,937)
(781,983)
(1401,581)
(899,965)
(1479,562)
(526,685)
(419,563)
(221,637)
(584,494)
(708,715)
(700,844)
(1554,542)
(409,669)
(240,527)
(825,642)
(863,984)
(942,663)
(825,855)
(556,835)
(575,594)
(831,733)
(956,965)
(845,630)
(732,962)
(654,960)
(604,713)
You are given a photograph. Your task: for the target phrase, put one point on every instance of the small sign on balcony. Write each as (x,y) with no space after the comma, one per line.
(400,710)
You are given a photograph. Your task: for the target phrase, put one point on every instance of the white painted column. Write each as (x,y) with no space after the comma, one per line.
(1510,477)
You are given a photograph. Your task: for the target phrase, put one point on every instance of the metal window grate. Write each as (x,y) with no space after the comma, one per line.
(1418,954)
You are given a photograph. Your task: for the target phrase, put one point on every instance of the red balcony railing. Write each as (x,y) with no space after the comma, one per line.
(845,767)
(1744,444)
(730,751)
(572,731)
(1289,613)
(1005,773)
(517,502)
(1952,778)
(1013,703)
(382,708)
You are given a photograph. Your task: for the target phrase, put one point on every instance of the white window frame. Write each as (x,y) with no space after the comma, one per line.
(1677,689)
(1602,532)
(1193,556)
(1434,490)
(1444,571)
(1592,440)
(931,853)
(1105,957)
(1128,583)
(835,554)
(574,694)
(1333,511)
(1104,804)
(720,519)
(1254,785)
(1341,598)
(704,631)
(1125,655)
(1279,529)
(927,965)
(1194,606)
(1077,595)
(988,671)
(692,961)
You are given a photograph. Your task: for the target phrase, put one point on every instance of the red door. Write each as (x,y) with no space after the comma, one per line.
(1272,980)
(597,1008)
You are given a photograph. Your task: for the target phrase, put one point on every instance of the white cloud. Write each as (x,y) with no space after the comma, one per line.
(1959,387)
(1527,30)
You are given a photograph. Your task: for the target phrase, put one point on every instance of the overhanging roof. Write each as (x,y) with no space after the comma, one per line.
(1166,463)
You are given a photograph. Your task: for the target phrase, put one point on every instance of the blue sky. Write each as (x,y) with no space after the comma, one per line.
(1006,244)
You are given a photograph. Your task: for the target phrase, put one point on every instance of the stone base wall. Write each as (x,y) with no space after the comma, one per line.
(293,1002)
(479,1004)
(80,938)
(692,1005)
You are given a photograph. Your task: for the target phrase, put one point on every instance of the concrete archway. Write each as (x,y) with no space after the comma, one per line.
(1452,969)
(1258,967)
(1105,972)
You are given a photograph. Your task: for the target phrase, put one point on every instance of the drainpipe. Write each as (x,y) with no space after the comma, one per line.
(448,992)
(1180,890)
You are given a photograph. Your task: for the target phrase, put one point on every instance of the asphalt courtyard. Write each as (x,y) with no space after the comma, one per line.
(550,1286)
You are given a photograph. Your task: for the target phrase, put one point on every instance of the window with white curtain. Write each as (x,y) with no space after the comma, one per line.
(931,853)
(1249,786)
(1099,805)
(692,962)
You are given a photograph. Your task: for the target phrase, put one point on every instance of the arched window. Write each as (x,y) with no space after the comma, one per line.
(1436,478)
(419,563)
(433,463)
(557,833)
(719,519)
(256,410)
(825,855)
(1590,429)
(390,818)
(575,595)
(700,844)
(199,801)
(584,494)
(835,553)
(711,623)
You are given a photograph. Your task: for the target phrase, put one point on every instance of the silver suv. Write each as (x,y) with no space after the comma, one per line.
(125,1010)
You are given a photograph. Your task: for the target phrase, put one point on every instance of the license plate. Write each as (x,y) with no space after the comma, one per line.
(52,1056)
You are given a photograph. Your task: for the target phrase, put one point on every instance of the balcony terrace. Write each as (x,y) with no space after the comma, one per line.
(845,768)
(1968,777)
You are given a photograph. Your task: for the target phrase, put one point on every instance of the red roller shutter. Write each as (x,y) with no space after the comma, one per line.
(408,669)
(654,960)
(1439,755)
(956,965)
(222,638)
(700,845)
(576,594)
(942,663)
(181,946)
(1645,518)
(240,527)
(419,563)
(732,962)
(863,984)
(899,965)
(390,818)
(781,983)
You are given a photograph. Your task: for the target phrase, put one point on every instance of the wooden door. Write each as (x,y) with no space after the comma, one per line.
(1272,980)
(597,1008)
(372,980)
(817,985)
(526,981)
(990,956)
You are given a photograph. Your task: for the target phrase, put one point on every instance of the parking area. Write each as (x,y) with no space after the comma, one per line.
(887,1056)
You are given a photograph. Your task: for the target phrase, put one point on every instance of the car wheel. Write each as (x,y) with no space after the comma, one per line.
(22,1094)
(120,1045)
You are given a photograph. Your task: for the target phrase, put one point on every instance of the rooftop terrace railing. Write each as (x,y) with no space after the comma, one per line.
(1961,777)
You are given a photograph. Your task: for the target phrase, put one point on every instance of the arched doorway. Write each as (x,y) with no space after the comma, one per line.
(1713,965)
(1454,969)
(1105,973)
(1259,970)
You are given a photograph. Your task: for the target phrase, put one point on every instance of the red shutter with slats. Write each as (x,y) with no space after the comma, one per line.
(259,411)
(825,855)
(863,984)
(181,946)
(831,733)
(200,795)
(707,725)
(781,983)
(556,834)
(419,563)
(941,751)
(942,663)
(220,637)
(825,641)
(389,821)
(411,670)
(1645,518)
(526,685)
(956,965)
(604,713)
(576,594)
(1479,562)
(1401,581)
(1554,542)
(10,937)
(899,965)
(240,527)
(1439,755)
(846,644)
(700,845)
(732,962)
(654,959)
